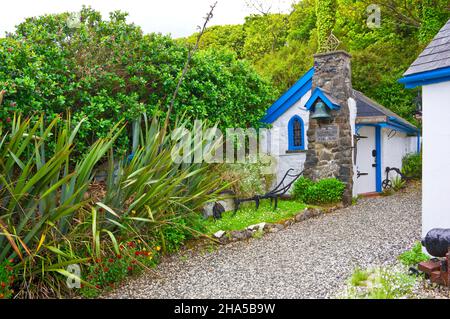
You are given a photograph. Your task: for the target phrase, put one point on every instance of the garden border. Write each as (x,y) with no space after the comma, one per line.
(227,237)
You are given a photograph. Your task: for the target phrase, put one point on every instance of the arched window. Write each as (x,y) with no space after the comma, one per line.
(296,134)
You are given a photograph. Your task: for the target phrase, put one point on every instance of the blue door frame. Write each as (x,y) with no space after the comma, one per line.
(378,159)
(378,173)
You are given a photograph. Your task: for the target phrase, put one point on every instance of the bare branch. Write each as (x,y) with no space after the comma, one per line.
(258,6)
(202,29)
(401,11)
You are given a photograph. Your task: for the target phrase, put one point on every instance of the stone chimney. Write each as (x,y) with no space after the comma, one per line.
(330,152)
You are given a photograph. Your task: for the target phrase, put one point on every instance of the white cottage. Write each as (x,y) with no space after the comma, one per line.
(431,71)
(380,138)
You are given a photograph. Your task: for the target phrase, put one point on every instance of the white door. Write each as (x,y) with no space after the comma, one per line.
(366,160)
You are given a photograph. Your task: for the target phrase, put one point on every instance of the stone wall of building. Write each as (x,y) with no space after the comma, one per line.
(333,158)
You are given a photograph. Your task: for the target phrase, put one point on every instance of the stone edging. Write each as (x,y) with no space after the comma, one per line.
(226,237)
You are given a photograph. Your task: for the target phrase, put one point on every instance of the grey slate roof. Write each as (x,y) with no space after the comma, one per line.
(330,97)
(435,56)
(367,107)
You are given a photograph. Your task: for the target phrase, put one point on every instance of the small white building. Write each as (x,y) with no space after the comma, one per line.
(431,71)
(381,137)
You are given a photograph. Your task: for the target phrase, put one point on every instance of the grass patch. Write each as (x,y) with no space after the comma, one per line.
(248,215)
(359,277)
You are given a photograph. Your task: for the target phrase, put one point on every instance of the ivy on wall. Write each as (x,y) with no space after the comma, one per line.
(326,18)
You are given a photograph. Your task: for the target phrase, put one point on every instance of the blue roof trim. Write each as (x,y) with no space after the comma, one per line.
(429,77)
(394,126)
(402,126)
(295,93)
(319,94)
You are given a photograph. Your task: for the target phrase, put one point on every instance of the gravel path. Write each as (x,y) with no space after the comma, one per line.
(311,259)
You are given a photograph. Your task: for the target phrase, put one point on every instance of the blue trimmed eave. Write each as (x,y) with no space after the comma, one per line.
(295,93)
(430,77)
(394,125)
(319,94)
(401,126)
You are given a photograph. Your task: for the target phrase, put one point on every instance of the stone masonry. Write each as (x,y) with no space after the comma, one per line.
(332,74)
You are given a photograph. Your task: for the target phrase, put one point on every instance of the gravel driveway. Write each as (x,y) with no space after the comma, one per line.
(311,259)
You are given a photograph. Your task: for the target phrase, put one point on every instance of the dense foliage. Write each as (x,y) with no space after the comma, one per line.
(326,19)
(412,166)
(108,70)
(325,191)
(53,215)
(282,52)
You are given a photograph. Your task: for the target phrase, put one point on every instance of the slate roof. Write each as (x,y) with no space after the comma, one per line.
(435,56)
(330,97)
(367,107)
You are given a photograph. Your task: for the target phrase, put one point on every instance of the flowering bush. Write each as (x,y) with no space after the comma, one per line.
(7,279)
(54,216)
(380,283)
(104,273)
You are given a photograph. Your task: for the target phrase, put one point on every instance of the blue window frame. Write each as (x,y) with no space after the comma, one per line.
(296,133)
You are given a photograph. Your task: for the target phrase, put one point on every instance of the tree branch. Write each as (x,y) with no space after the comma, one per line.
(202,29)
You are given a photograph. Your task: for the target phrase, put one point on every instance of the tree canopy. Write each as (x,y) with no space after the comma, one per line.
(108,70)
(281,46)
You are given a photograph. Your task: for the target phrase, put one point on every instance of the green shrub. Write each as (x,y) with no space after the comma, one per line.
(54,215)
(300,188)
(412,166)
(326,191)
(414,256)
(398,183)
(110,70)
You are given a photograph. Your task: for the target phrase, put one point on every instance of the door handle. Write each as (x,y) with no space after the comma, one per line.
(361,174)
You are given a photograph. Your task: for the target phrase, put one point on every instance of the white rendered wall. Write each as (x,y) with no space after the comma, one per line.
(395,146)
(436,157)
(280,139)
(353,112)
